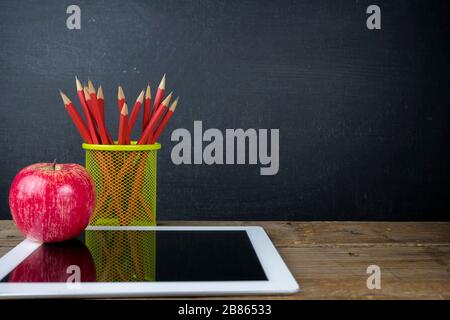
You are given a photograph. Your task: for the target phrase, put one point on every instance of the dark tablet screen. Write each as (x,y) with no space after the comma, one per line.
(122,256)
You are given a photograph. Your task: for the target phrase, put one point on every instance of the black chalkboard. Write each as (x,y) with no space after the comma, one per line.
(362,114)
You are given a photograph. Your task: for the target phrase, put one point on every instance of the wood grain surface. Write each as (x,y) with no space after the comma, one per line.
(329,259)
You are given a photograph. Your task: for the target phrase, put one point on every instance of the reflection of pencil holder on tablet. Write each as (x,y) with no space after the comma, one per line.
(125,182)
(123,255)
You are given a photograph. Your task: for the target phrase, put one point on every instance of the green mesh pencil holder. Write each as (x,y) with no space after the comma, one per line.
(125,182)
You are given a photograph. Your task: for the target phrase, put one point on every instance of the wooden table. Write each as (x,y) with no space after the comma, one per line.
(330,259)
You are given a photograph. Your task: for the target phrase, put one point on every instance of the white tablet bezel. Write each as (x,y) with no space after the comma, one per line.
(280,279)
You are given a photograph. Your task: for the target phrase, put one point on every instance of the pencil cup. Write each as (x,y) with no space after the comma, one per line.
(125,182)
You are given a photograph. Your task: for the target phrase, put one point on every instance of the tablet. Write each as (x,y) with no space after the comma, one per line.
(146,262)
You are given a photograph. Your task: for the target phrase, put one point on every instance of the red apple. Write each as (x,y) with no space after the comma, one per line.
(51,262)
(52,202)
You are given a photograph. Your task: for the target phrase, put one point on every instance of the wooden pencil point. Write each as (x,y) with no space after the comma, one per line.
(91,88)
(148,93)
(65,99)
(173,106)
(166,101)
(120,94)
(124,110)
(100,93)
(78,82)
(140,98)
(162,84)
(86,93)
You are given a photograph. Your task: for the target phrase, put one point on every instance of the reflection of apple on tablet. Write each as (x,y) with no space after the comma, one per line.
(53,262)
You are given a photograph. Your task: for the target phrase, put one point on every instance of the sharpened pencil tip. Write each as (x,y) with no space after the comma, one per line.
(148,93)
(78,82)
(65,99)
(162,84)
(140,98)
(100,92)
(124,109)
(166,101)
(86,93)
(91,88)
(120,94)
(173,106)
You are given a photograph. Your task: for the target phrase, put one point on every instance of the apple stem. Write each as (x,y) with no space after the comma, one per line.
(54,165)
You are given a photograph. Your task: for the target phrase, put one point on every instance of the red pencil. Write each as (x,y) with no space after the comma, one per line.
(101,102)
(97,113)
(87,114)
(76,118)
(135,112)
(101,107)
(87,98)
(164,121)
(123,125)
(150,137)
(147,110)
(148,132)
(94,118)
(120,98)
(159,93)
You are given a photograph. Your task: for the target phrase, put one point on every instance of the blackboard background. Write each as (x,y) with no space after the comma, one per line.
(363,115)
